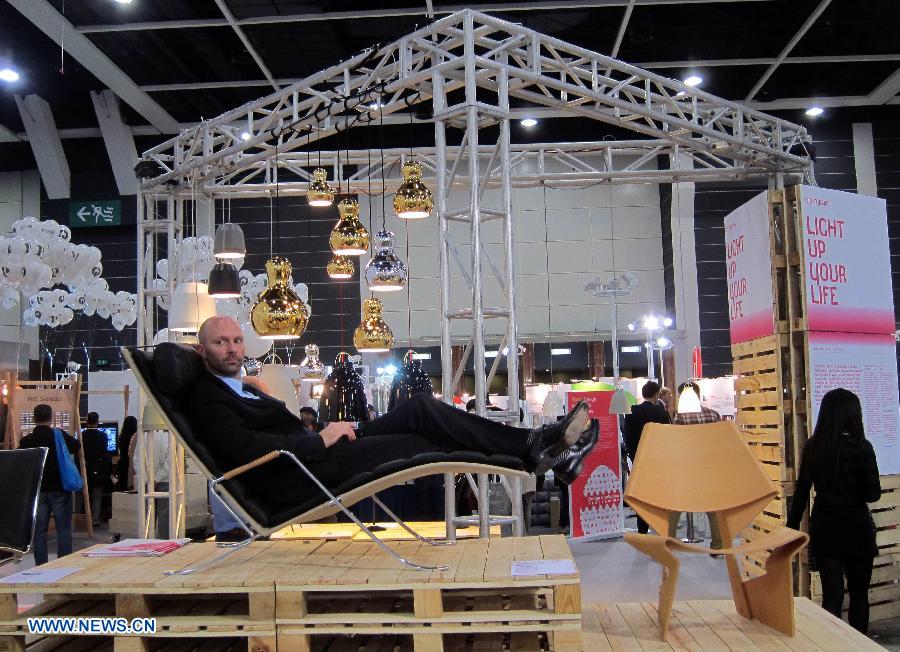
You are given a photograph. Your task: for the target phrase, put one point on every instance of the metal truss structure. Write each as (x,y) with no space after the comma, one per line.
(470,67)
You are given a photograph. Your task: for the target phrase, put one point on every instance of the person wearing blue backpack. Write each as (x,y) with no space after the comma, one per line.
(61,478)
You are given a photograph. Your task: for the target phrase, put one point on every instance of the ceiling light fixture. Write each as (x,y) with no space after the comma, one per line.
(124,2)
(9,75)
(528,122)
(815,111)
(693,80)
(245,135)
(413,199)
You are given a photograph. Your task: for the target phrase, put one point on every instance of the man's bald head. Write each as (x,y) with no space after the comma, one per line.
(221,345)
(214,324)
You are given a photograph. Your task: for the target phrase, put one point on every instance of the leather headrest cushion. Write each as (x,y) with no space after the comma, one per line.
(178,367)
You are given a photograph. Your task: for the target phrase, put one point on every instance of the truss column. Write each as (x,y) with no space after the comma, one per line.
(475,217)
(512,360)
(440,142)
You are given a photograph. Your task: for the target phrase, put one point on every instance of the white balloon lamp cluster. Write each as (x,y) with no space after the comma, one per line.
(192,304)
(38,257)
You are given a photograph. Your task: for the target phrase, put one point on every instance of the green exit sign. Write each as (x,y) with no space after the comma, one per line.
(101,362)
(95,213)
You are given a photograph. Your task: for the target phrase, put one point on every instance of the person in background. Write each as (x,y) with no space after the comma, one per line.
(839,463)
(98,461)
(373,414)
(310,419)
(643,413)
(665,400)
(123,466)
(53,498)
(705,415)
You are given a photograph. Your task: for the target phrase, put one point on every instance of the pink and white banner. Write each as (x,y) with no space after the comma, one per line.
(866,364)
(748,263)
(847,262)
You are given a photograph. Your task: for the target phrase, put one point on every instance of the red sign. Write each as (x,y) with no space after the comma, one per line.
(595,498)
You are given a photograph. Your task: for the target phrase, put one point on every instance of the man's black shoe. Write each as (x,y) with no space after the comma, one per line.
(545,444)
(571,462)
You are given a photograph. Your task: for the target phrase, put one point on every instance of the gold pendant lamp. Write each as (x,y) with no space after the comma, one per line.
(279,313)
(340,267)
(349,237)
(413,200)
(320,192)
(373,335)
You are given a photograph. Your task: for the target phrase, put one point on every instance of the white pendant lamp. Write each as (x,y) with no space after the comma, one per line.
(278,379)
(191,306)
(689,401)
(553,405)
(619,403)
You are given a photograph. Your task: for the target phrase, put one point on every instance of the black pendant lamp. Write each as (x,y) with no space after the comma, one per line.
(344,395)
(410,380)
(224,281)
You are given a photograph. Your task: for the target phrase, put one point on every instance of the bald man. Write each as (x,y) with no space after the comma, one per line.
(239,423)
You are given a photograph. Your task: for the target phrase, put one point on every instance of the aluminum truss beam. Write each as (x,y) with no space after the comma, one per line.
(539,69)
(531,165)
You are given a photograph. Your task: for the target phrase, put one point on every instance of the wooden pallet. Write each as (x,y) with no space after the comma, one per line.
(223,602)
(477,595)
(714,625)
(294,595)
(884,589)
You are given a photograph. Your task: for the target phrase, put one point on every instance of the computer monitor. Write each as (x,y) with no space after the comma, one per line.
(111,430)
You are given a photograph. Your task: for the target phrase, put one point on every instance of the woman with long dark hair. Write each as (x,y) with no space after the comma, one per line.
(839,462)
(129,427)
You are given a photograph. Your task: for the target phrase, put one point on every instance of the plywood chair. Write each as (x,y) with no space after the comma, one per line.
(708,468)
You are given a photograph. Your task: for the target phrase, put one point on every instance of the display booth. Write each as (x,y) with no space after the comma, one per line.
(470,69)
(820,257)
(61,395)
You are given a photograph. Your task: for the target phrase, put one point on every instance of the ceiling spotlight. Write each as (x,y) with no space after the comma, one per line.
(374,106)
(245,135)
(124,2)
(9,75)
(693,80)
(528,122)
(815,111)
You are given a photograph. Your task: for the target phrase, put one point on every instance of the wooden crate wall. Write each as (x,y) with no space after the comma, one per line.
(775,412)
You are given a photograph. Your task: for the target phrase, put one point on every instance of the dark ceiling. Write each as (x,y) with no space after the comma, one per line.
(732,44)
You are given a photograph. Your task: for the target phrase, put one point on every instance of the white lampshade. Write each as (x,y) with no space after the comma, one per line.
(278,379)
(191,306)
(689,401)
(553,405)
(619,403)
(151,419)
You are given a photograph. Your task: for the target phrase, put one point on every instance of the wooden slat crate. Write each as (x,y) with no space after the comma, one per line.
(224,601)
(297,595)
(884,589)
(342,587)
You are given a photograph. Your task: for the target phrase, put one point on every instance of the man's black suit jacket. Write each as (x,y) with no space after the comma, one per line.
(641,415)
(237,429)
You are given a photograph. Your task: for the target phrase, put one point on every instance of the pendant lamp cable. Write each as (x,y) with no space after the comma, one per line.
(277,245)
(547,258)
(383,171)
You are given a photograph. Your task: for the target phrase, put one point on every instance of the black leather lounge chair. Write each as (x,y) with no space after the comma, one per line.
(167,372)
(20,485)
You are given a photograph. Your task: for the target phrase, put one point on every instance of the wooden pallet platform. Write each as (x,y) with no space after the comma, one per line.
(290,594)
(476,595)
(714,625)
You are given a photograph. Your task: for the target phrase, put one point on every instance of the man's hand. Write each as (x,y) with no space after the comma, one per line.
(335,430)
(256,383)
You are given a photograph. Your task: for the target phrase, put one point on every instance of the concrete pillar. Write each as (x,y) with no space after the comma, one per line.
(864,159)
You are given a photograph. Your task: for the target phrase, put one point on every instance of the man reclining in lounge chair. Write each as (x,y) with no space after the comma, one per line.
(240,423)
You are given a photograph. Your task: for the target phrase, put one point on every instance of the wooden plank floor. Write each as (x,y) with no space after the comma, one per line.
(713,625)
